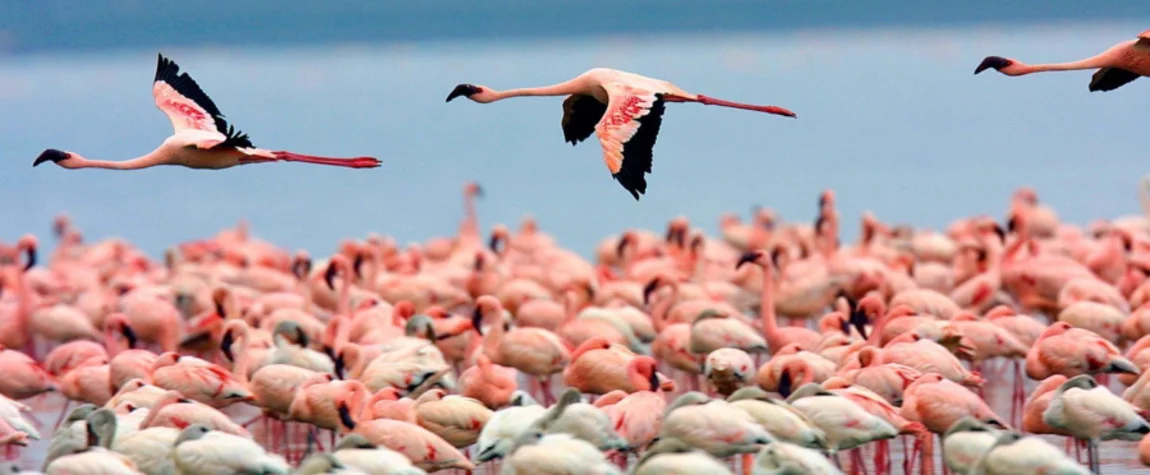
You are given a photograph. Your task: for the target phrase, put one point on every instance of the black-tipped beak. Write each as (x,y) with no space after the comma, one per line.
(345,416)
(845,326)
(785,384)
(493,243)
(31,255)
(53,155)
(466,90)
(329,276)
(357,265)
(129,334)
(477,320)
(226,346)
(1000,232)
(649,289)
(478,189)
(1012,225)
(623,242)
(777,253)
(340,366)
(653,381)
(747,258)
(301,268)
(219,307)
(302,338)
(996,62)
(859,320)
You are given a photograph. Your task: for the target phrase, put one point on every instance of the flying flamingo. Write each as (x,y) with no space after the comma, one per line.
(1122,63)
(623,109)
(202,138)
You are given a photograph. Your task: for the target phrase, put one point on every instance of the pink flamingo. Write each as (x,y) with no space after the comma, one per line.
(173,410)
(938,403)
(534,351)
(776,337)
(488,382)
(637,417)
(202,138)
(1063,349)
(23,377)
(425,449)
(623,109)
(1118,65)
(204,382)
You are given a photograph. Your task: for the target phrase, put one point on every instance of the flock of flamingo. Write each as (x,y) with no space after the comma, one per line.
(771,349)
(674,353)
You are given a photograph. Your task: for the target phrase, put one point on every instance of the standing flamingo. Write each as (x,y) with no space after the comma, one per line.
(1122,63)
(202,138)
(623,109)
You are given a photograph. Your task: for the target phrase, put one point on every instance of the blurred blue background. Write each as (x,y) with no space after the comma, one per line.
(890,116)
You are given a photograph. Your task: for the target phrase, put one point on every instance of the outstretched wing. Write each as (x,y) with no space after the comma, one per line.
(1109,79)
(580,114)
(627,133)
(188,107)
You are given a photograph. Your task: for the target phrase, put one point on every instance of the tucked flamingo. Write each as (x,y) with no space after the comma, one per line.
(202,138)
(623,109)
(1117,66)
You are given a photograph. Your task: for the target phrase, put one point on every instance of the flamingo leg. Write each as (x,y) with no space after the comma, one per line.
(358,162)
(748,461)
(63,412)
(545,386)
(711,101)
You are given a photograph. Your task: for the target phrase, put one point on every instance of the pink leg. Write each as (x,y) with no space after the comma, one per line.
(358,162)
(63,413)
(548,398)
(710,101)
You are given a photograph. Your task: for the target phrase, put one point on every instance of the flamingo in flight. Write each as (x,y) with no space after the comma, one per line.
(202,138)
(1117,66)
(623,109)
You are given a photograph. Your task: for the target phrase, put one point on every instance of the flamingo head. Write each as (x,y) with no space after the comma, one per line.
(478,94)
(1005,66)
(58,157)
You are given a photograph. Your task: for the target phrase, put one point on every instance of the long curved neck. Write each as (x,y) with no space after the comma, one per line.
(150,160)
(767,308)
(1092,62)
(569,87)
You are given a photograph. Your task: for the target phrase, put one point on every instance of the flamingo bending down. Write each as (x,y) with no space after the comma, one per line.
(202,138)
(1117,66)
(623,109)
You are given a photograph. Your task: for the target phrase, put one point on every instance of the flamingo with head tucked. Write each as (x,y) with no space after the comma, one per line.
(1117,66)
(623,109)
(202,138)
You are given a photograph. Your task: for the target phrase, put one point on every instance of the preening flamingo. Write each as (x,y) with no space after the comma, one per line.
(623,109)
(1117,66)
(202,138)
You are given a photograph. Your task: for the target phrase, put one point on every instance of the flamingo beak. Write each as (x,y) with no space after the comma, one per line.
(747,258)
(649,289)
(859,320)
(477,320)
(785,384)
(329,276)
(301,268)
(226,346)
(845,326)
(31,254)
(653,380)
(345,416)
(129,335)
(340,366)
(478,189)
(466,90)
(996,62)
(53,155)
(357,264)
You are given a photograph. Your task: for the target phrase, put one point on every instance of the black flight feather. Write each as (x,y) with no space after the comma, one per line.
(638,152)
(1109,79)
(169,72)
(580,114)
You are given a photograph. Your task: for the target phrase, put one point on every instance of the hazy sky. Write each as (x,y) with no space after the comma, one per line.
(892,119)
